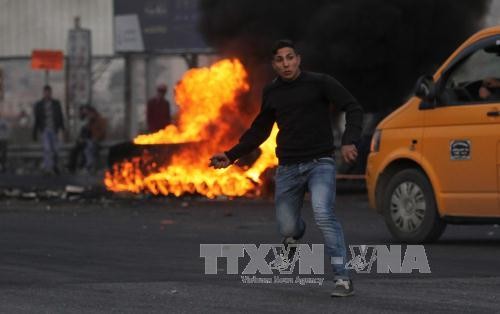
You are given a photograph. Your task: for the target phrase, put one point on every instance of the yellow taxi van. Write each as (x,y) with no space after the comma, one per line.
(436,159)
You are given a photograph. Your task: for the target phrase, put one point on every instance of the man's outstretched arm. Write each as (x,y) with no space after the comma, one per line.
(257,133)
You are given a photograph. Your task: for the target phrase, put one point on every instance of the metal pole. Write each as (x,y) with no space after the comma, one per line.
(71,128)
(191,59)
(46,80)
(147,72)
(128,96)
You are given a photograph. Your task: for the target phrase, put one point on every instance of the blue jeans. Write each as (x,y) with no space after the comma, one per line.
(317,176)
(50,148)
(90,153)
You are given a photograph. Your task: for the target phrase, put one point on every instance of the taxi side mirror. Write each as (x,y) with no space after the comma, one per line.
(425,88)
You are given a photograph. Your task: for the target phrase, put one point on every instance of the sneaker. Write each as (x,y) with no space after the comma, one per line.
(294,241)
(343,288)
(289,240)
(293,248)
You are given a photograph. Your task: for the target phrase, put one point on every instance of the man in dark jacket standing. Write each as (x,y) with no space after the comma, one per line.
(50,124)
(300,104)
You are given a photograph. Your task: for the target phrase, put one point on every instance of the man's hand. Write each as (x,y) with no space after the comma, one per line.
(349,153)
(219,161)
(486,87)
(484,93)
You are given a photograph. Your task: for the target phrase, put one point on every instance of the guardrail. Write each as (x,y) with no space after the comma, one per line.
(29,156)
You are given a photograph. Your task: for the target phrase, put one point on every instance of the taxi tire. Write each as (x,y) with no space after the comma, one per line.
(432,226)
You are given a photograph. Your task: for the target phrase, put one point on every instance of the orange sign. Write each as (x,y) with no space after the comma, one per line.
(47,59)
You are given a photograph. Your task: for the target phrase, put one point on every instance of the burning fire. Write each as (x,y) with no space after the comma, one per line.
(208,99)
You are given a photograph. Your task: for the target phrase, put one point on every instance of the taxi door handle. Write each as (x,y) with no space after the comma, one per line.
(493,113)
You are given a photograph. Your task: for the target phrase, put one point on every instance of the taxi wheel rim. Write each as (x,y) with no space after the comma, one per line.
(407,206)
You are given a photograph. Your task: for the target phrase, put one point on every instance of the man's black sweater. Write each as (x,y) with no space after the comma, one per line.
(302,110)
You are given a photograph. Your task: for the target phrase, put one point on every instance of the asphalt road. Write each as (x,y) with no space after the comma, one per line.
(142,256)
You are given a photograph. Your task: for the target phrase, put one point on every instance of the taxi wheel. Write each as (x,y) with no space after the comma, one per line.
(409,208)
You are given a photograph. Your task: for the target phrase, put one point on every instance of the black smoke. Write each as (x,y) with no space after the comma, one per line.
(376,48)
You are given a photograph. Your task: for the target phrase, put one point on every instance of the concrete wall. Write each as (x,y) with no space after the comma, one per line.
(43,24)
(493,17)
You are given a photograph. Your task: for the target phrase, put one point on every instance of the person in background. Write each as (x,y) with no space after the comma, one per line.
(92,132)
(76,155)
(490,89)
(49,123)
(4,137)
(96,126)
(158,110)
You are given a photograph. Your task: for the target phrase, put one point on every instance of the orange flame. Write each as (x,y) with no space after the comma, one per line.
(208,99)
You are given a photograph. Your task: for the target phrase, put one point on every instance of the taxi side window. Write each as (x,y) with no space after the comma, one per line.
(474,80)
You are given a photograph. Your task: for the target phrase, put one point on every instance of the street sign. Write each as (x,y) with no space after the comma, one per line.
(169,26)
(47,59)
(79,73)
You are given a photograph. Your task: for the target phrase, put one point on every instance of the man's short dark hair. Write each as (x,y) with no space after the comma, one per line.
(282,43)
(47,88)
